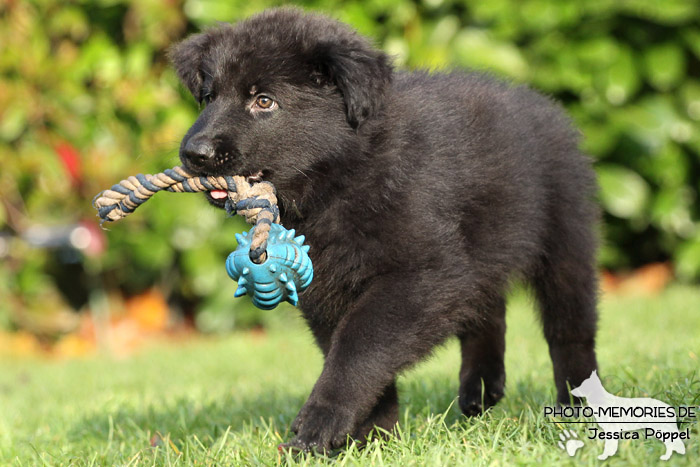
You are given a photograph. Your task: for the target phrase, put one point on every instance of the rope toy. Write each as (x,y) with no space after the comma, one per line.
(269,264)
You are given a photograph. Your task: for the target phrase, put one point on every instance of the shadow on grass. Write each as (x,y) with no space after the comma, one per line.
(186,418)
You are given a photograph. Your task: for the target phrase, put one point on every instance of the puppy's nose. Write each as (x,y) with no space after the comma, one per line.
(199,152)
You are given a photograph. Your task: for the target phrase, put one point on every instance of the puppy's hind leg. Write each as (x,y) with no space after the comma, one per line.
(482,376)
(566,287)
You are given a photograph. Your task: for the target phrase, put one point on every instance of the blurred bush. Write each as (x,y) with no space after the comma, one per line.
(87,98)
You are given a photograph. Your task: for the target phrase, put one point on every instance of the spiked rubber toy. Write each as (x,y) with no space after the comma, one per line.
(270,264)
(286,271)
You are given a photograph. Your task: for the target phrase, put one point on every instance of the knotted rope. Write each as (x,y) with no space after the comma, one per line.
(256,202)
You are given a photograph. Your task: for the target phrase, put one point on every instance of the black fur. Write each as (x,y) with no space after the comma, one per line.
(422,196)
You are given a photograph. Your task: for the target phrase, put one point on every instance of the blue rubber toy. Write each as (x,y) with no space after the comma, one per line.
(286,271)
(271,266)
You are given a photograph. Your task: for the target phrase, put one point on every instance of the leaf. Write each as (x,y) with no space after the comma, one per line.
(622,80)
(477,49)
(12,123)
(690,94)
(664,65)
(623,192)
(597,52)
(671,211)
(687,259)
(662,12)
(691,37)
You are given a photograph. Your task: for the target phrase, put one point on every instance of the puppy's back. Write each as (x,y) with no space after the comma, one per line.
(500,161)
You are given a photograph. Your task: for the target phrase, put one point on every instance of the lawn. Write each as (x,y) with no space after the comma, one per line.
(230,400)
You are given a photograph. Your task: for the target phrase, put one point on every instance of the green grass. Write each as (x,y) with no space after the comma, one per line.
(229,401)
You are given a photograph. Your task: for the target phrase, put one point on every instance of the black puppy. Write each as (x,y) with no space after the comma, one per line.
(421,195)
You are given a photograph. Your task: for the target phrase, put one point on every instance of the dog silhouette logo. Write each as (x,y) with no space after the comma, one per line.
(620,418)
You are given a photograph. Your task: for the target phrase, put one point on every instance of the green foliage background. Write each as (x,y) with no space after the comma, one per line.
(94,74)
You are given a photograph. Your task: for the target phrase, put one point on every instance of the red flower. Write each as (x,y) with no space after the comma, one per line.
(71,162)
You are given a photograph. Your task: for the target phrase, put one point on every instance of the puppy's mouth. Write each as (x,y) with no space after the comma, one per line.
(218,197)
(257,177)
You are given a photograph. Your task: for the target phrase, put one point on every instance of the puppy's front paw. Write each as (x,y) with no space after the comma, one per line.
(296,423)
(320,427)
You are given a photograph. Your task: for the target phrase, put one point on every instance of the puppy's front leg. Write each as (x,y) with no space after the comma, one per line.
(389,328)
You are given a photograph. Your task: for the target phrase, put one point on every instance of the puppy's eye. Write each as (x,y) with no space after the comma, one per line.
(264,102)
(207,98)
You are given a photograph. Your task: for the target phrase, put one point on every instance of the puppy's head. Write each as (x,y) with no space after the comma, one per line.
(282,92)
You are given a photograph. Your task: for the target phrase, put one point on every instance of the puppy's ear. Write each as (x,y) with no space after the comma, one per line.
(360,72)
(187,59)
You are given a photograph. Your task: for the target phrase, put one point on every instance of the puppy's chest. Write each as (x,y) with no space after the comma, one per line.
(340,275)
(343,267)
